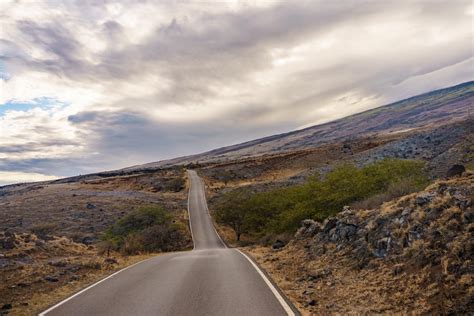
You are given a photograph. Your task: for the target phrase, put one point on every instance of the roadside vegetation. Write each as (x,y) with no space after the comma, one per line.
(147,229)
(175,184)
(280,211)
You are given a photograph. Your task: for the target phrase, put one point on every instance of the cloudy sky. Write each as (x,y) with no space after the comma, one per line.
(87,86)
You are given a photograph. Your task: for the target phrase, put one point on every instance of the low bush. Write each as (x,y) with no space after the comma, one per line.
(171,185)
(281,210)
(148,229)
(174,184)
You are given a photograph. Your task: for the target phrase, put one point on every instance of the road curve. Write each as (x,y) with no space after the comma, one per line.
(210,280)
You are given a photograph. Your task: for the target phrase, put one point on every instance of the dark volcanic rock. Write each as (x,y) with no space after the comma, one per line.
(423,199)
(6,307)
(455,170)
(278,244)
(329,224)
(90,206)
(308,228)
(8,241)
(88,240)
(51,278)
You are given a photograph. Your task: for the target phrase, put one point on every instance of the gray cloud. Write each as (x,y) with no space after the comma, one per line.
(131,136)
(337,58)
(35,146)
(60,166)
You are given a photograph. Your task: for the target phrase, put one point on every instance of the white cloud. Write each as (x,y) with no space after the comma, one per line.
(199,76)
(7,177)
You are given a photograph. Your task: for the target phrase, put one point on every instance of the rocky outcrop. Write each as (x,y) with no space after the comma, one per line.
(308,228)
(420,240)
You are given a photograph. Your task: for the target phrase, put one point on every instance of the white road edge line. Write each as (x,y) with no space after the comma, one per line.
(275,292)
(89,287)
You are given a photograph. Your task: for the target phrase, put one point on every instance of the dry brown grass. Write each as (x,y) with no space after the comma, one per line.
(26,268)
(42,300)
(337,288)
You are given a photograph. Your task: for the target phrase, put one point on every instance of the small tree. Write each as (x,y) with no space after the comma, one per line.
(227,176)
(104,247)
(232,210)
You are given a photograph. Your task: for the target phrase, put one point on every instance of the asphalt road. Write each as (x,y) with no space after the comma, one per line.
(210,280)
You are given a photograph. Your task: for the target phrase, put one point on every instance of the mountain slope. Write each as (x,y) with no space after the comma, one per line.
(431,109)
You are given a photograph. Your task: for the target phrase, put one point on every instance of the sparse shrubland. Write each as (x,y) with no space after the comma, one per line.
(148,229)
(49,234)
(410,256)
(281,210)
(175,184)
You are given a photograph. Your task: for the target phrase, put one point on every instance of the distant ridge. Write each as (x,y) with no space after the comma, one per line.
(438,107)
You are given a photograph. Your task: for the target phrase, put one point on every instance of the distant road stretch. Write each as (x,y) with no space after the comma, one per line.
(210,280)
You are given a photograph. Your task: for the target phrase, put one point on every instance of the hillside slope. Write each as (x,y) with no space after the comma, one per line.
(412,255)
(431,109)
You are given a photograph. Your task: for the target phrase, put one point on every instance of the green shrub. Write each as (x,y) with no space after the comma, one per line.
(395,190)
(147,229)
(281,210)
(174,184)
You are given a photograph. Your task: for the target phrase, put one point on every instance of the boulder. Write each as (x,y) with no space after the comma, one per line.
(88,240)
(347,231)
(329,224)
(7,243)
(90,206)
(382,246)
(51,278)
(308,229)
(6,307)
(346,148)
(455,170)
(312,303)
(278,244)
(423,198)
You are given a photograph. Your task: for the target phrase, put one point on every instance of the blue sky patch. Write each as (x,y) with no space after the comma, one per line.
(45,103)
